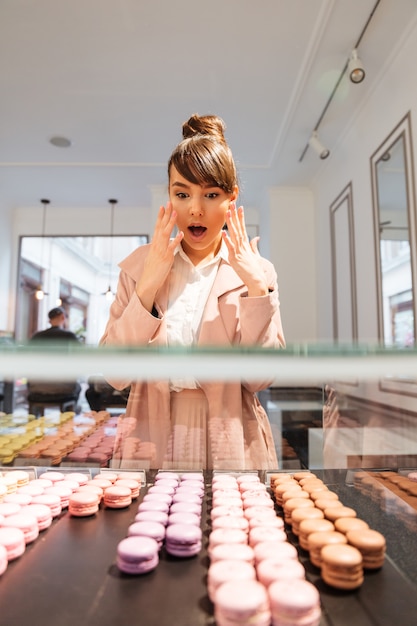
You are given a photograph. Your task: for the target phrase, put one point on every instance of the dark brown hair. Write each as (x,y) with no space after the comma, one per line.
(203,156)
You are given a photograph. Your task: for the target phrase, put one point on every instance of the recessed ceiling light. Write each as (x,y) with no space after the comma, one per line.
(60,142)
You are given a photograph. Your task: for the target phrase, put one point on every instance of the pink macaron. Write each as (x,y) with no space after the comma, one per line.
(3,559)
(294,601)
(242,602)
(221,572)
(117,497)
(42,512)
(13,540)
(26,522)
(83,503)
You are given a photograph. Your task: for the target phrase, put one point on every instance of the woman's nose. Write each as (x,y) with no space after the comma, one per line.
(196,207)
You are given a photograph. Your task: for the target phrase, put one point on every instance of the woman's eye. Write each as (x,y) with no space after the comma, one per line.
(213,194)
(181,195)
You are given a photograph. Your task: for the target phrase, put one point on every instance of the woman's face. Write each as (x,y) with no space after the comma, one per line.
(201,214)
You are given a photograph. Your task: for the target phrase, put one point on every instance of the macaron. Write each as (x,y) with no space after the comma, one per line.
(183,518)
(271,570)
(229,521)
(42,512)
(294,602)
(153,505)
(13,540)
(62,491)
(242,602)
(282,550)
(51,500)
(344,524)
(266,533)
(152,516)
(371,544)
(337,512)
(117,497)
(3,559)
(222,511)
(27,523)
(183,540)
(232,552)
(137,555)
(309,526)
(317,540)
(155,530)
(186,507)
(342,566)
(221,572)
(298,515)
(83,503)
(226,535)
(133,485)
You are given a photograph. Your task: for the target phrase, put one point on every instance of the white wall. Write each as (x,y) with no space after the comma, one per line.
(292,251)
(393,95)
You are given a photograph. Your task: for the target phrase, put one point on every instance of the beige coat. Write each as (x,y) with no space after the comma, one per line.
(230,318)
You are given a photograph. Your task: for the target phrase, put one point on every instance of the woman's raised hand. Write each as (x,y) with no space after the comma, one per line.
(159,261)
(243,254)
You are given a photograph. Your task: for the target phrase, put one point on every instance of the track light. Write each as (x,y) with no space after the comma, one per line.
(355,68)
(317,146)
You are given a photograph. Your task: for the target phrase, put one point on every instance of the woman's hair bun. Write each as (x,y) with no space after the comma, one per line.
(204,125)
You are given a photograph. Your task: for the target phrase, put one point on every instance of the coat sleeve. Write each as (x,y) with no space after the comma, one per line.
(260,323)
(260,317)
(129,323)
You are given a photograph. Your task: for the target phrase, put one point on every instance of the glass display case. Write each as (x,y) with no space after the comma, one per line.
(345,414)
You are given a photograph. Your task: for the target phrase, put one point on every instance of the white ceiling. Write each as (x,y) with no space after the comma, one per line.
(118,77)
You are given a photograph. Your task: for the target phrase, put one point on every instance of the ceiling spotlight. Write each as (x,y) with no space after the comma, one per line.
(318,147)
(355,68)
(60,142)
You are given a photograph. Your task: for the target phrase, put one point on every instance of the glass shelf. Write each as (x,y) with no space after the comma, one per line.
(306,363)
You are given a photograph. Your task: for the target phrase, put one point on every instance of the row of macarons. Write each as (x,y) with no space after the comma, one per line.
(86,438)
(395,493)
(342,546)
(60,432)
(168,516)
(254,576)
(29,506)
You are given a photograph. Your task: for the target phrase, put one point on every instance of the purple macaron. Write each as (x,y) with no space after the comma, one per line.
(183,540)
(137,555)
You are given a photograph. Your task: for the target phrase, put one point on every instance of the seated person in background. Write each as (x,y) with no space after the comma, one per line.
(100,394)
(39,391)
(57,330)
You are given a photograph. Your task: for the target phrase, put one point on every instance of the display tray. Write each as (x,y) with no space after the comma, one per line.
(69,576)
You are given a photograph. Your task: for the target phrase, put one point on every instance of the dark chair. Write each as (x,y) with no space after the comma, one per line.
(100,395)
(63,395)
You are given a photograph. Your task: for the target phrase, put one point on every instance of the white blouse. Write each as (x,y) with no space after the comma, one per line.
(189,289)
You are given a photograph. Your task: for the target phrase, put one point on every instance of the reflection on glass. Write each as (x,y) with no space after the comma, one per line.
(74,272)
(393,210)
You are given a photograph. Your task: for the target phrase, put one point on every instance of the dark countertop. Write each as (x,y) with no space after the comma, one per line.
(68,576)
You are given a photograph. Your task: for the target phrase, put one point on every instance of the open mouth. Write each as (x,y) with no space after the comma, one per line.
(197,231)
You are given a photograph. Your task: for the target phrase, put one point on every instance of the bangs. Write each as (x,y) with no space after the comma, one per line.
(205,162)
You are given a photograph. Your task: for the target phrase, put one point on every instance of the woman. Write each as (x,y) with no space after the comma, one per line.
(207,286)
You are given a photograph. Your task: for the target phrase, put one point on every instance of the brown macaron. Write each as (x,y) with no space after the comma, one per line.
(344,524)
(300,514)
(341,566)
(371,544)
(336,512)
(295,503)
(316,541)
(309,526)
